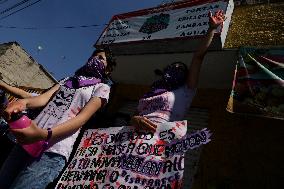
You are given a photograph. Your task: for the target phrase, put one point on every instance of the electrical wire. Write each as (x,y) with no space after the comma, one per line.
(19,9)
(3,1)
(36,28)
(46,28)
(14,6)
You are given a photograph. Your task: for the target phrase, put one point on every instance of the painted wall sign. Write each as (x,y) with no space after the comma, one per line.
(186,19)
(122,157)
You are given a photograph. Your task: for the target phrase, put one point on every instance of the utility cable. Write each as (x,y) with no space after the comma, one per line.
(46,28)
(14,6)
(20,9)
(3,1)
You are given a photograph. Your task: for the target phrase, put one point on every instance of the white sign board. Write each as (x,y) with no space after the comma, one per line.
(125,158)
(181,20)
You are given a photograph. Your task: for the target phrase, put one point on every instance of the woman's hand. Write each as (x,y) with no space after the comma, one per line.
(217,19)
(143,123)
(30,134)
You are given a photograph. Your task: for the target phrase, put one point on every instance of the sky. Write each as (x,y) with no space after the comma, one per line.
(60,51)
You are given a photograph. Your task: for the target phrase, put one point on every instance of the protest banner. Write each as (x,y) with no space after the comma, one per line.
(258,86)
(126,158)
(178,21)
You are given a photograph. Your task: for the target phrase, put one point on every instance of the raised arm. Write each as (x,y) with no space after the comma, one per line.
(19,93)
(34,102)
(194,69)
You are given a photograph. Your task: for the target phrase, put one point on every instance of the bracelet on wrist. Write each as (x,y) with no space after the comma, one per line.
(46,141)
(49,134)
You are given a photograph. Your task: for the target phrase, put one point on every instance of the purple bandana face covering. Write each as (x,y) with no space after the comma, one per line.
(173,77)
(93,68)
(91,73)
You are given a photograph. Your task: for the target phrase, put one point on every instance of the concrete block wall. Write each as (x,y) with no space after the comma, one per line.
(18,68)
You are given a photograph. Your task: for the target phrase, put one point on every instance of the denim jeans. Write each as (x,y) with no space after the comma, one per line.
(21,171)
